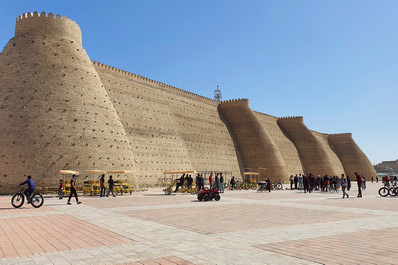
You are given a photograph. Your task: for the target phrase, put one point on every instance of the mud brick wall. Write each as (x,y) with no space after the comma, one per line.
(259,152)
(169,128)
(285,145)
(351,156)
(314,153)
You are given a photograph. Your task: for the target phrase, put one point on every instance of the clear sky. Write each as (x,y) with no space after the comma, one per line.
(334,62)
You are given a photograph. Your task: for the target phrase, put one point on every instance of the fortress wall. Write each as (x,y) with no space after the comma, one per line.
(351,156)
(169,128)
(60,110)
(258,150)
(336,163)
(285,146)
(54,112)
(313,151)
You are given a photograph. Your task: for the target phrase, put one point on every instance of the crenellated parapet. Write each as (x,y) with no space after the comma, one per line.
(340,134)
(315,154)
(300,118)
(47,25)
(350,155)
(153,83)
(234,102)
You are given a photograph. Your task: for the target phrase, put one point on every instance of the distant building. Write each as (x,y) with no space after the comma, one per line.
(387,167)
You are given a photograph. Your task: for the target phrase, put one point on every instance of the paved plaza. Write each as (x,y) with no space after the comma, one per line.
(244,227)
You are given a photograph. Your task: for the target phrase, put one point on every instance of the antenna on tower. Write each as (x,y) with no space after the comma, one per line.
(217,94)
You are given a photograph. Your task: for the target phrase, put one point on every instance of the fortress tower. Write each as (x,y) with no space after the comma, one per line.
(54,111)
(351,156)
(315,153)
(259,152)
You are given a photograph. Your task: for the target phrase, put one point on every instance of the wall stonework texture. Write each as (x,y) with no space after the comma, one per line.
(60,110)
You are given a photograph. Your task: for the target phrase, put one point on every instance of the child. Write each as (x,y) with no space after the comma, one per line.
(61,189)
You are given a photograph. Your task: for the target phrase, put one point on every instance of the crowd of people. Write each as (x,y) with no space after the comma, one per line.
(306,182)
(73,189)
(310,183)
(186,181)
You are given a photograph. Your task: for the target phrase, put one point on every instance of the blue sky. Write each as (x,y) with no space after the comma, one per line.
(333,62)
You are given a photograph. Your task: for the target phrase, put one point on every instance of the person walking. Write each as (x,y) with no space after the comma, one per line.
(344,185)
(73,190)
(295,179)
(233,183)
(348,183)
(300,180)
(102,186)
(268,185)
(61,189)
(189,182)
(306,184)
(198,182)
(291,182)
(221,183)
(359,184)
(111,184)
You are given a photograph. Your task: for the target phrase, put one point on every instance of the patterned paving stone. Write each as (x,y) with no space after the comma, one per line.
(240,217)
(36,235)
(245,227)
(368,247)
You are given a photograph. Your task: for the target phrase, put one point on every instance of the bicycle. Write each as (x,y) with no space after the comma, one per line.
(277,186)
(18,199)
(388,190)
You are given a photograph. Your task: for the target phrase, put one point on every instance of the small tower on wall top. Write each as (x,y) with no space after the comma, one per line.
(217,94)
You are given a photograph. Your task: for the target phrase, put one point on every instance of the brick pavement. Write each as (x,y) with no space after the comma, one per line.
(244,227)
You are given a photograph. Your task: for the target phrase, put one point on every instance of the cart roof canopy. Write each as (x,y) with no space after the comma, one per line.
(120,171)
(251,173)
(180,172)
(94,171)
(69,172)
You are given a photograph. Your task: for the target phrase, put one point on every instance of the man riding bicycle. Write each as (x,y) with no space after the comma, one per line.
(31,188)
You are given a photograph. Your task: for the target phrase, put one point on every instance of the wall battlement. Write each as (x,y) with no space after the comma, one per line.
(234,102)
(339,134)
(47,25)
(292,117)
(155,84)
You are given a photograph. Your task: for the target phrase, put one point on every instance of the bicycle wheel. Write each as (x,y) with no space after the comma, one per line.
(392,192)
(37,200)
(383,192)
(17,200)
(279,186)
